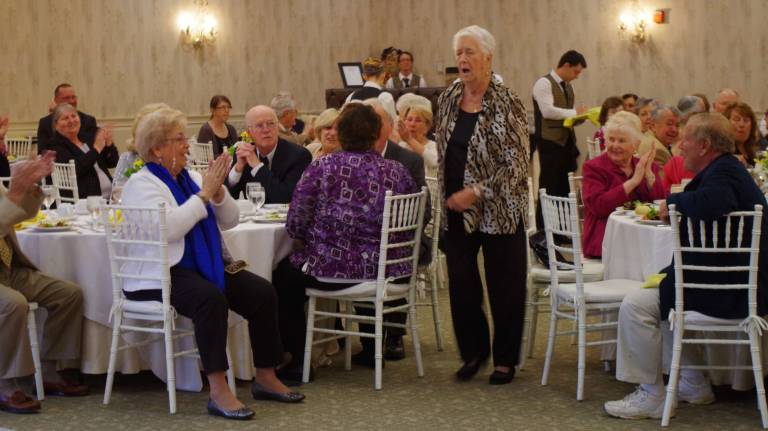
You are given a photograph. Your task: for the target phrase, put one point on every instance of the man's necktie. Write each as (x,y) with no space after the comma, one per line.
(406,82)
(264,160)
(6,252)
(565,90)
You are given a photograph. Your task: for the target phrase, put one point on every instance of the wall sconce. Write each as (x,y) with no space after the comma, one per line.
(198,27)
(634,25)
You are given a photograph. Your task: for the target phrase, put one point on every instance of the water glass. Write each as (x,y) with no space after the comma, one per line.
(93,203)
(50,195)
(256,195)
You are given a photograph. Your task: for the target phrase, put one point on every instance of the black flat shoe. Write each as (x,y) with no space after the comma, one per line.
(469,369)
(241,414)
(393,349)
(502,378)
(259,393)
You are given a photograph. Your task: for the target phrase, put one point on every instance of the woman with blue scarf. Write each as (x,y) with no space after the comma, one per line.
(200,288)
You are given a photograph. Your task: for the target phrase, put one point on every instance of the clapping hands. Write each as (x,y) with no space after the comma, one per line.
(214,177)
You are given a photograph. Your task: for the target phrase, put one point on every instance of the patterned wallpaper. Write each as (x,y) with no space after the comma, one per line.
(120,54)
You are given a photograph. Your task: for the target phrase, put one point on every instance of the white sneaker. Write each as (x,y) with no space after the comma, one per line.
(637,405)
(695,394)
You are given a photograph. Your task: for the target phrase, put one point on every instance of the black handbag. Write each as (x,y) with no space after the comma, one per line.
(538,243)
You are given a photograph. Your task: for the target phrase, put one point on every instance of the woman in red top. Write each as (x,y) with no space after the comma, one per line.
(616,177)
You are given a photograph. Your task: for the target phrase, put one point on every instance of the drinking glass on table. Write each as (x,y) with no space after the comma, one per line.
(256,195)
(50,195)
(93,203)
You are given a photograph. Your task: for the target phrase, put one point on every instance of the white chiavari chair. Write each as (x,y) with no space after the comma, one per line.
(65,179)
(202,153)
(430,276)
(34,344)
(19,148)
(593,148)
(402,223)
(574,301)
(736,239)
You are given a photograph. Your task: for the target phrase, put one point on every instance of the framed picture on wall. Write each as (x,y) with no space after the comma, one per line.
(351,74)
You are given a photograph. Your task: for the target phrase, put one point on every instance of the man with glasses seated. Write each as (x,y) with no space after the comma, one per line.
(721,185)
(275,163)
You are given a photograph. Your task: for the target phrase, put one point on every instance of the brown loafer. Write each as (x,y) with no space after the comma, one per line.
(19,402)
(65,388)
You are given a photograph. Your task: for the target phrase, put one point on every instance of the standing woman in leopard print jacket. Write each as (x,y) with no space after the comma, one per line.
(482,141)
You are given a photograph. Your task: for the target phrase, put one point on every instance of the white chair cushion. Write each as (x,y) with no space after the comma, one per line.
(600,291)
(367,288)
(593,271)
(143,307)
(696,318)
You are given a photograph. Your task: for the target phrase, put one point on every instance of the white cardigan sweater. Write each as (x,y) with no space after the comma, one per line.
(146,190)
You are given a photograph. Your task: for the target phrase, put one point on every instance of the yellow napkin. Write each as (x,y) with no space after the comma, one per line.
(653,281)
(31,222)
(592,114)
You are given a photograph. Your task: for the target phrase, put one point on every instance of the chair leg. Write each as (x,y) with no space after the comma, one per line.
(757,367)
(526,326)
(379,329)
(347,305)
(309,338)
(674,375)
(170,364)
(415,332)
(435,282)
(581,325)
(550,344)
(118,320)
(534,319)
(230,371)
(35,346)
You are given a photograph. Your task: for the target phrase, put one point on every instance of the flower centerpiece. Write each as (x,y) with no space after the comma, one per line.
(244,137)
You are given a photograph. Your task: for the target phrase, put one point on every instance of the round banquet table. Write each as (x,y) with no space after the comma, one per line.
(80,256)
(634,251)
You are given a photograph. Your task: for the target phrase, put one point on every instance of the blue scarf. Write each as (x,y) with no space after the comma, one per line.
(202,244)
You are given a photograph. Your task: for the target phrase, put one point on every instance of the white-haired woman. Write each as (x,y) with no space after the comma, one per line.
(327,133)
(413,134)
(617,177)
(201,289)
(482,144)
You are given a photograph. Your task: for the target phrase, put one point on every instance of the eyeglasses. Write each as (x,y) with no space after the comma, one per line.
(224,107)
(263,125)
(178,139)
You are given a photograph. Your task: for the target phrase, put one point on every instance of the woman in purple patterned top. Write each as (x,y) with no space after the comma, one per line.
(335,219)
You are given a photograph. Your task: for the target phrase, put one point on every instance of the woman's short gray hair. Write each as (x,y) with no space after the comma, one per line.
(146,109)
(689,105)
(409,100)
(482,36)
(60,110)
(282,103)
(625,122)
(153,130)
(325,120)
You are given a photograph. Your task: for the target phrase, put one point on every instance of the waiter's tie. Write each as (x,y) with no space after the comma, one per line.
(6,252)
(406,82)
(565,91)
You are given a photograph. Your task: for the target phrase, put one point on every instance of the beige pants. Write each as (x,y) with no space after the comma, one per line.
(644,343)
(63,327)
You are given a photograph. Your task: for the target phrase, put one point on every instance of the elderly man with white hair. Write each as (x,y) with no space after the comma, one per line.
(285,109)
(274,162)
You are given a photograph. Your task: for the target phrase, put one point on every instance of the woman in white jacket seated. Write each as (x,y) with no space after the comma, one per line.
(200,288)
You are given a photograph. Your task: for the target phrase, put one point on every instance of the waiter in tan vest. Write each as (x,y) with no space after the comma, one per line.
(553,101)
(20,283)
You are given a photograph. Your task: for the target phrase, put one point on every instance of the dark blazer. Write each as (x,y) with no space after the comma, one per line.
(5,166)
(414,163)
(46,133)
(283,174)
(87,178)
(722,187)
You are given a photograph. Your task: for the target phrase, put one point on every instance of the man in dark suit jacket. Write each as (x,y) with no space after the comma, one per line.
(64,93)
(721,185)
(273,162)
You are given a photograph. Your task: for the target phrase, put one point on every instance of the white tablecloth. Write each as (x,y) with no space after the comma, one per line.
(634,251)
(81,256)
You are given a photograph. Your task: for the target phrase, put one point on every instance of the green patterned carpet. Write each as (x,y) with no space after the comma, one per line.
(345,400)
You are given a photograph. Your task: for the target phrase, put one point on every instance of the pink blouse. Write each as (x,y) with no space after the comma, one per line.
(603,191)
